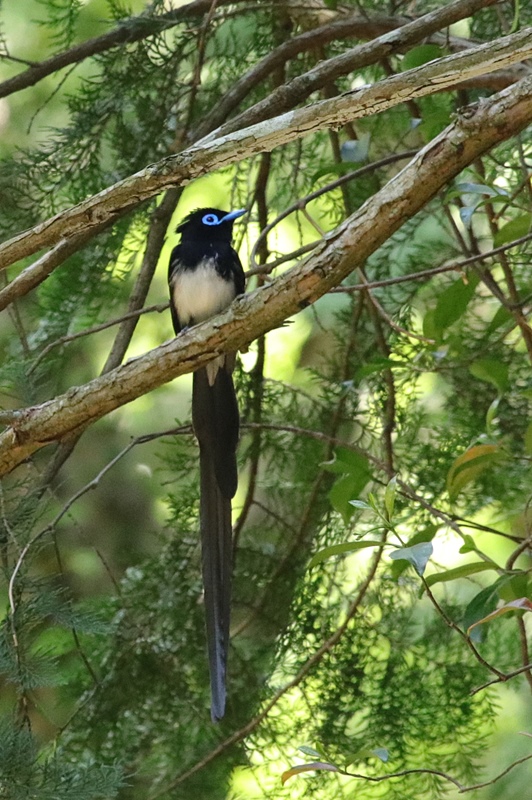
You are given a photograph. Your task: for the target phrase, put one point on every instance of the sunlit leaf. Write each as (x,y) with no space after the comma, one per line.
(417,555)
(340,549)
(522,604)
(310,751)
(463,571)
(468,466)
(389,496)
(310,767)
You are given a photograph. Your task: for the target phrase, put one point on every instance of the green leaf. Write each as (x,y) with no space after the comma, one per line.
(452,303)
(491,414)
(501,317)
(355,474)
(311,767)
(468,466)
(310,751)
(419,55)
(522,604)
(515,586)
(360,504)
(481,604)
(463,571)
(514,229)
(491,370)
(389,496)
(340,549)
(417,555)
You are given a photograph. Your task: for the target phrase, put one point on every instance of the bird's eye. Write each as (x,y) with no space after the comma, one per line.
(210,219)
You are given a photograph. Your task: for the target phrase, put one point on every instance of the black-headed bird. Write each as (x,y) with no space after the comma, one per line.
(205,275)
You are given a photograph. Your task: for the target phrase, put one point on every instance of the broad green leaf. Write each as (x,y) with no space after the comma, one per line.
(468,466)
(355,474)
(346,461)
(469,545)
(311,767)
(463,571)
(419,55)
(481,604)
(514,229)
(491,370)
(343,490)
(522,604)
(340,549)
(515,587)
(501,317)
(417,555)
(452,303)
(389,496)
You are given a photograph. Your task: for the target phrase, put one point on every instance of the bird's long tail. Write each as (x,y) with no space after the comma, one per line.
(216,424)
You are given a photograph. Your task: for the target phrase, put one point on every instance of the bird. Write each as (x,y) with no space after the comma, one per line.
(205,275)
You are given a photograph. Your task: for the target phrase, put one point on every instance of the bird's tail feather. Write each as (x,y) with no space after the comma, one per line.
(215,418)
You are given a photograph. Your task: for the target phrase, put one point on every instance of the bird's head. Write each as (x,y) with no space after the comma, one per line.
(209,223)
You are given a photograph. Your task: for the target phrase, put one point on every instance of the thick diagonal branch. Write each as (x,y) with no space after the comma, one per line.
(340,253)
(104,208)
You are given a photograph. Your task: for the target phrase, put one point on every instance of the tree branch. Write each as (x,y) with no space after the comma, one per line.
(341,251)
(97,212)
(133,29)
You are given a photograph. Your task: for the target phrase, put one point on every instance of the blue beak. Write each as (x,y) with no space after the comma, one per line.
(233,215)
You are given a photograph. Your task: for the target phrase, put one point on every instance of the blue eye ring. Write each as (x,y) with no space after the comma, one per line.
(210,219)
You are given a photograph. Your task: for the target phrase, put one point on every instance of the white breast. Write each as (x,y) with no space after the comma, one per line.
(201,293)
